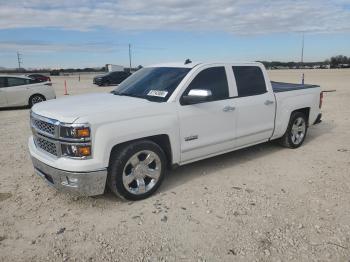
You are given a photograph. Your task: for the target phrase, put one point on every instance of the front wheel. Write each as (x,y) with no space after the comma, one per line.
(296,131)
(34,99)
(136,170)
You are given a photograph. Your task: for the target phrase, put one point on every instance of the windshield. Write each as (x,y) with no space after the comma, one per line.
(152,83)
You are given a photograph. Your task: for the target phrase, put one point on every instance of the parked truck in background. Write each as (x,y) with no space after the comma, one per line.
(164,116)
(114,68)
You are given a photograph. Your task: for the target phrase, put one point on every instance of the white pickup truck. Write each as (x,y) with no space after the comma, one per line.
(164,116)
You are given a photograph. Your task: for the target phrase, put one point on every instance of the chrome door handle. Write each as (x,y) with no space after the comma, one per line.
(228,108)
(269,102)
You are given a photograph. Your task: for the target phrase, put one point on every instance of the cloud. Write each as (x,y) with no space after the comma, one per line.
(43,47)
(243,17)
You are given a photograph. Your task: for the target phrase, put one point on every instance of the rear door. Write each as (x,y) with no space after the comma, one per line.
(255,105)
(207,128)
(17,91)
(3,100)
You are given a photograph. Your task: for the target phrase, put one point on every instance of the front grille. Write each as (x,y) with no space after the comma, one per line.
(46,145)
(44,126)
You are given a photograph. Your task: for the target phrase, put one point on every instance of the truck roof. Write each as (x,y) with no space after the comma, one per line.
(193,64)
(176,64)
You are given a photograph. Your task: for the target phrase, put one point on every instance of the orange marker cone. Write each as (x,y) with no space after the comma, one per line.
(65,88)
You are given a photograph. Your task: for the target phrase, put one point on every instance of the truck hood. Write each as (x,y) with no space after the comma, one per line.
(69,109)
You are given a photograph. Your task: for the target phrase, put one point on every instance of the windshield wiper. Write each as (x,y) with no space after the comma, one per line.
(131,95)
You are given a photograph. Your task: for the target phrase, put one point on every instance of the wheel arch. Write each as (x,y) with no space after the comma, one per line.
(305,111)
(161,140)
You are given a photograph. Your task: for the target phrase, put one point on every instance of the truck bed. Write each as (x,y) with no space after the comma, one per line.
(284,87)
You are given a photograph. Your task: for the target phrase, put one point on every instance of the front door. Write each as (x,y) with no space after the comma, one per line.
(207,128)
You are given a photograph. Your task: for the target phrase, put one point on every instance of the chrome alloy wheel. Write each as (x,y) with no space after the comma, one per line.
(37,99)
(141,172)
(298,130)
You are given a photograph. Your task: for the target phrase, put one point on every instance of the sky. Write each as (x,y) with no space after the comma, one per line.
(86,33)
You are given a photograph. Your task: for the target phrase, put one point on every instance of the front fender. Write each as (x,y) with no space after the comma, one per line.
(109,135)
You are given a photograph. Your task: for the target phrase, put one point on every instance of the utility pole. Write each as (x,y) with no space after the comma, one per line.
(19,59)
(302,50)
(130,58)
(302,60)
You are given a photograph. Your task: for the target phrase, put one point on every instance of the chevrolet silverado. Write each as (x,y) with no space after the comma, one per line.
(164,116)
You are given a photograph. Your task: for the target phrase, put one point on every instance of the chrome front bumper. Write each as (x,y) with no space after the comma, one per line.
(81,183)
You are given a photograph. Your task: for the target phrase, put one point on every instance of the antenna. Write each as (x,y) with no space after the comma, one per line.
(130,58)
(19,59)
(188,61)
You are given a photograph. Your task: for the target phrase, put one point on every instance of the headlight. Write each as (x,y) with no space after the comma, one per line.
(75,140)
(76,150)
(75,132)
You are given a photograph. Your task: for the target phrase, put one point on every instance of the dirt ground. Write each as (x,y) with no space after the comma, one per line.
(264,203)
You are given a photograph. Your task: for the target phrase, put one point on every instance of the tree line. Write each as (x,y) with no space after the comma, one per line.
(339,61)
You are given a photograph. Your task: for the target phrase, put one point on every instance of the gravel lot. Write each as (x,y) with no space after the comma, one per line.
(264,203)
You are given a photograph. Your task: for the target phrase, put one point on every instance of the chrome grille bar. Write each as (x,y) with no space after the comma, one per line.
(45,126)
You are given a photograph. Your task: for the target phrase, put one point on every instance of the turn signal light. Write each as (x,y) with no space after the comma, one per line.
(83,132)
(84,151)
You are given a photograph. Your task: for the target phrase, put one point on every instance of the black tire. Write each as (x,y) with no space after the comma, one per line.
(287,139)
(119,162)
(34,99)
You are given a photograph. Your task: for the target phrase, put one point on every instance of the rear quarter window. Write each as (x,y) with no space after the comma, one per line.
(250,80)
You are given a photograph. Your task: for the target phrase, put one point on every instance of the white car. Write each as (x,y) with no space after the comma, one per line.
(163,116)
(23,91)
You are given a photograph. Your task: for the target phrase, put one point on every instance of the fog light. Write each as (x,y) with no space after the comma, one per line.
(70,182)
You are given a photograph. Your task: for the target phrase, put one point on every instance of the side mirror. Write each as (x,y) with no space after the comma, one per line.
(196,96)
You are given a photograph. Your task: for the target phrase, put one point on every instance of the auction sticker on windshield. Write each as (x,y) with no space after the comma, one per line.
(158,93)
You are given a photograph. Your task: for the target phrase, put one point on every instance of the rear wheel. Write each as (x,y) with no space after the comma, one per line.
(296,131)
(34,99)
(136,170)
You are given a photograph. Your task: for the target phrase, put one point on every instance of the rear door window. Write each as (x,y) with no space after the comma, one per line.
(250,80)
(15,81)
(213,79)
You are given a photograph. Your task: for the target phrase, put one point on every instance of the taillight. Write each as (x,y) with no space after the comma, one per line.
(49,79)
(321,99)
(48,84)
